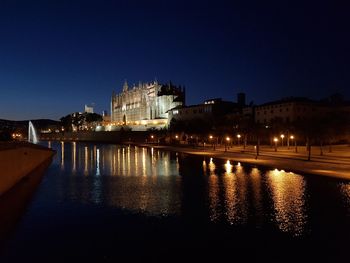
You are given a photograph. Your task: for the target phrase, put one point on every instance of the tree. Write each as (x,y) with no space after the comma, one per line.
(5,135)
(79,120)
(92,117)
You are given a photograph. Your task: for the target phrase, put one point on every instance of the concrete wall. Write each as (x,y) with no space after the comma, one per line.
(14,203)
(84,136)
(16,163)
(103,136)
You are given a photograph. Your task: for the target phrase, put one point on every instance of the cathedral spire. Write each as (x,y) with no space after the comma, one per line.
(125,86)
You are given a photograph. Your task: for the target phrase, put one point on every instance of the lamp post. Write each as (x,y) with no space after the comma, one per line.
(275,140)
(227,141)
(211,141)
(295,142)
(238,137)
(282,136)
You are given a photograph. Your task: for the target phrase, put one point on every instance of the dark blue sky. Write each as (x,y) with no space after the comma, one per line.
(56,56)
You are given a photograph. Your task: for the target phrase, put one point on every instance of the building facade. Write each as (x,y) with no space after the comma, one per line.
(208,110)
(288,110)
(89,109)
(146,105)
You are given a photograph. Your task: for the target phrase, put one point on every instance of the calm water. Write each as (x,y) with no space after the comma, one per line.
(107,202)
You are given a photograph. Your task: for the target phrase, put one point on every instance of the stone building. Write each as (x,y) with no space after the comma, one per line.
(209,110)
(289,110)
(146,105)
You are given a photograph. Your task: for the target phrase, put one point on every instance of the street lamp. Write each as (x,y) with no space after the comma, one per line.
(238,137)
(275,140)
(295,143)
(211,140)
(282,136)
(227,140)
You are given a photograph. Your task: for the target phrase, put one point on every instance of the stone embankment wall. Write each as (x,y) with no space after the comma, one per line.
(16,161)
(113,136)
(101,136)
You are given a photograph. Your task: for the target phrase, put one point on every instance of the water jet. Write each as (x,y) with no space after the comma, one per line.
(32,136)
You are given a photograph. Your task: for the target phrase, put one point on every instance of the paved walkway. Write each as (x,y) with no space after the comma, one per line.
(333,164)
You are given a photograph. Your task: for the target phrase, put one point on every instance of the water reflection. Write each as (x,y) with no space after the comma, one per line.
(204,166)
(235,187)
(257,192)
(231,196)
(227,194)
(237,196)
(98,162)
(211,167)
(86,161)
(215,209)
(74,154)
(345,191)
(62,155)
(288,194)
(148,181)
(228,167)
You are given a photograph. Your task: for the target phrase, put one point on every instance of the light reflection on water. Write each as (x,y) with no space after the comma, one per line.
(235,188)
(257,203)
(288,194)
(244,198)
(149,181)
(146,180)
(74,168)
(214,198)
(345,190)
(62,155)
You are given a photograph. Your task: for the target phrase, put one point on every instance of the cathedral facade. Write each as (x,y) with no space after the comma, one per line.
(146,105)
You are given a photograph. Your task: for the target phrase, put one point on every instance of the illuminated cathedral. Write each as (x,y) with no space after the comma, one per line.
(146,105)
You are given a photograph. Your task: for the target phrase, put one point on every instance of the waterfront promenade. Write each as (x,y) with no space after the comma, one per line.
(333,164)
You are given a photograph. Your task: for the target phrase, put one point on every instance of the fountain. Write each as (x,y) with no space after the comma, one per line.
(32,137)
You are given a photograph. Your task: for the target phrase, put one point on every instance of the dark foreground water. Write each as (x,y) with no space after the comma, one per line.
(116,203)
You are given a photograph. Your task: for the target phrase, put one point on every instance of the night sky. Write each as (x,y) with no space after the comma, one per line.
(57,56)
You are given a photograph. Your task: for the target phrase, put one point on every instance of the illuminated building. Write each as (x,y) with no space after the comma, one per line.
(209,110)
(89,109)
(146,105)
